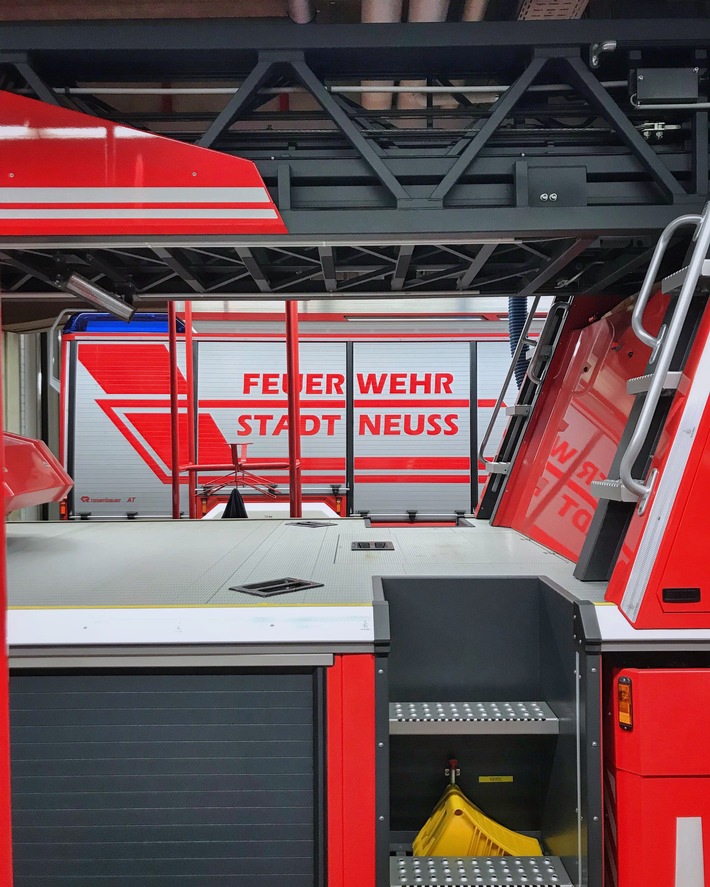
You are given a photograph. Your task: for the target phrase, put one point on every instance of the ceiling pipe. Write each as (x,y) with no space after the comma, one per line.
(420,11)
(302,11)
(474,10)
(336,90)
(379,12)
(428,10)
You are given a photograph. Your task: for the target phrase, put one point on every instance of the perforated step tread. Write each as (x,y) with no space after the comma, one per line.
(675,281)
(472,717)
(613,490)
(478,871)
(641,384)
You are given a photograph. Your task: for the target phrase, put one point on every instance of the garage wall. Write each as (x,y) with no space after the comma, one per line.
(21,367)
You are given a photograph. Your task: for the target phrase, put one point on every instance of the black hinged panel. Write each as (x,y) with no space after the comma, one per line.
(557,186)
(667,85)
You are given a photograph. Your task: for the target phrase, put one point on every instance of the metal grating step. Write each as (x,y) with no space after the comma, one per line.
(675,281)
(641,384)
(473,717)
(474,871)
(613,490)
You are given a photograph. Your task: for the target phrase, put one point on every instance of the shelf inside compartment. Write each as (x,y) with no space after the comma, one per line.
(524,718)
(478,871)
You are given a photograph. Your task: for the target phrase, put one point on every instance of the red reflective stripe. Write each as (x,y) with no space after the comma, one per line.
(278,337)
(348,335)
(137,204)
(412,478)
(407,402)
(412,462)
(280,479)
(275,402)
(144,369)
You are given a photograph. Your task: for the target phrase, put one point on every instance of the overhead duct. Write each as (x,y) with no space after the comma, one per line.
(474,10)
(302,11)
(379,12)
(428,10)
(420,11)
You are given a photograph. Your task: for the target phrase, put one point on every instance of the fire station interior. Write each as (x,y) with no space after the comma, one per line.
(356,361)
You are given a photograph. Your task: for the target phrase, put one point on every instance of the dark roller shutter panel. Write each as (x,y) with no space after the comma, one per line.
(163,780)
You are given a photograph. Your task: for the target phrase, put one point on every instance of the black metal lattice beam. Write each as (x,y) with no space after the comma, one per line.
(180,268)
(253,267)
(396,201)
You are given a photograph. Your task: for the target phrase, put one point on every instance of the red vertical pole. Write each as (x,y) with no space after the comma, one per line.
(294,409)
(5,823)
(174,409)
(350,768)
(191,427)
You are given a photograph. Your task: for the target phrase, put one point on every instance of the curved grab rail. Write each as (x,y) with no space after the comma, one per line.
(499,403)
(650,278)
(663,360)
(54,340)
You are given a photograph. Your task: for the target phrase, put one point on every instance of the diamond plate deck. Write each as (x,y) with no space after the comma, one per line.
(473,717)
(476,871)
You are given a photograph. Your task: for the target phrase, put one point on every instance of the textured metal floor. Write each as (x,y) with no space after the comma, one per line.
(462,871)
(164,563)
(492,718)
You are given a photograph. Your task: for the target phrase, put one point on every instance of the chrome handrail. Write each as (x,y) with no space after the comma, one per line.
(664,356)
(650,279)
(522,341)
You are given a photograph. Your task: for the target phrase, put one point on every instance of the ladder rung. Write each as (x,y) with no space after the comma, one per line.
(497,467)
(675,281)
(520,409)
(641,384)
(612,489)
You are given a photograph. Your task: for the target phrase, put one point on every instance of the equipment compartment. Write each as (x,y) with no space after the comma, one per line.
(508,646)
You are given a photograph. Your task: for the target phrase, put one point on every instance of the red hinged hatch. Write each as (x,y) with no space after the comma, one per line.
(32,475)
(670,722)
(657,778)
